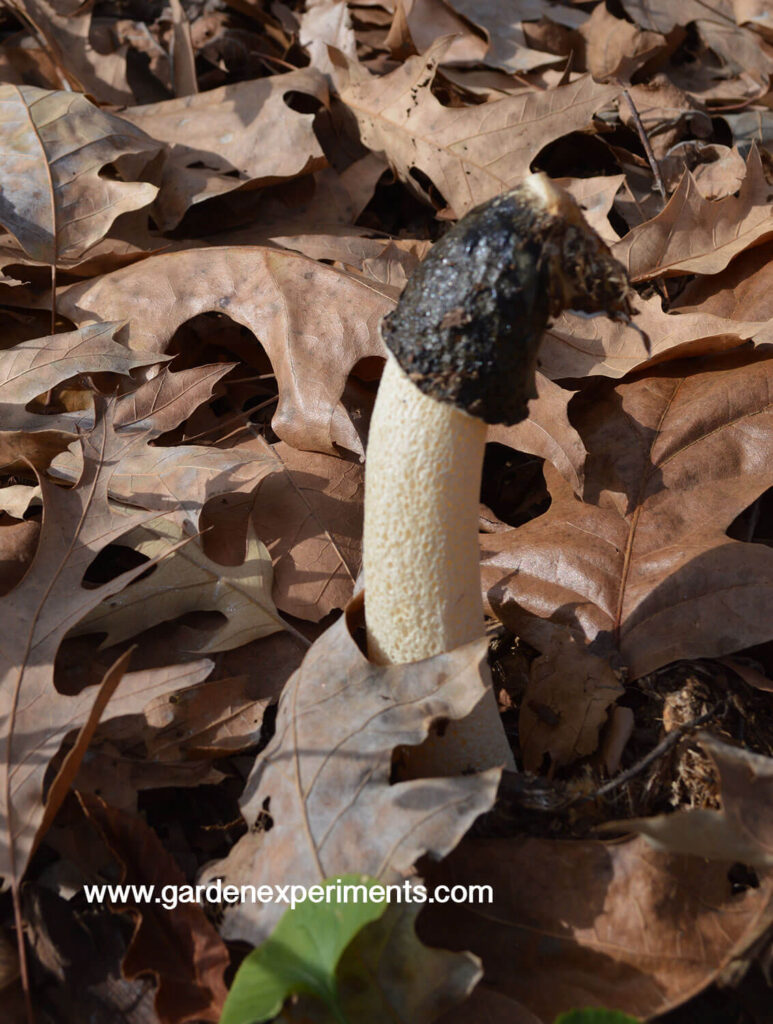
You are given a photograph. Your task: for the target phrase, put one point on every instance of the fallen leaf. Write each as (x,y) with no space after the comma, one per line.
(579,923)
(55,201)
(229,137)
(32,368)
(615,47)
(65,31)
(693,235)
(741,831)
(743,289)
(309,515)
(547,432)
(566,702)
(579,346)
(185,580)
(503,24)
(315,322)
(49,600)
(177,945)
(473,153)
(337,701)
(179,479)
(642,564)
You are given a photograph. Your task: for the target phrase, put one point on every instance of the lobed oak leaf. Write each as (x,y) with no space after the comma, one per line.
(223,139)
(314,321)
(583,923)
(309,514)
(179,946)
(509,47)
(693,235)
(185,580)
(742,831)
(547,432)
(324,777)
(65,29)
(55,201)
(77,523)
(642,564)
(468,153)
(579,346)
(565,704)
(179,479)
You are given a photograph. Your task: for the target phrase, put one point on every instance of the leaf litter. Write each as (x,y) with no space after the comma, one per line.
(228,198)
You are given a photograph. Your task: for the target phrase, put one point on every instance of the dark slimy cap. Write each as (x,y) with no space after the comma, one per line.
(468,324)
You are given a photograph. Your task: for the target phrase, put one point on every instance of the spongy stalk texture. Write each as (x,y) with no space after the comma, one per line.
(422,481)
(421,555)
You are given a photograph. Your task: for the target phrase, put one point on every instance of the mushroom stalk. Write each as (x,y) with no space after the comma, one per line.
(463,346)
(421,554)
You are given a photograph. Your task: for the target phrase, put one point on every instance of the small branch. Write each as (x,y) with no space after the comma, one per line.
(645,142)
(658,751)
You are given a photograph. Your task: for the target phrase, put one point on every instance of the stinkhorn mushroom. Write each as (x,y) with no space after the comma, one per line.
(463,343)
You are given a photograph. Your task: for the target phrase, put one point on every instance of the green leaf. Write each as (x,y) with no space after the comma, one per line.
(591,1016)
(303,951)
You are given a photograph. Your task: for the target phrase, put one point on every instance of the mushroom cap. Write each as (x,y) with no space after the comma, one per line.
(468,324)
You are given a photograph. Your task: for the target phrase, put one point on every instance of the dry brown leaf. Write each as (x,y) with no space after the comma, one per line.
(565,704)
(66,34)
(509,47)
(469,153)
(183,55)
(615,47)
(229,137)
(693,235)
(578,923)
(744,289)
(32,368)
(55,201)
(547,432)
(212,719)
(179,946)
(596,196)
(417,24)
(742,831)
(185,580)
(389,261)
(664,15)
(324,777)
(315,322)
(643,564)
(46,604)
(579,346)
(309,515)
(180,479)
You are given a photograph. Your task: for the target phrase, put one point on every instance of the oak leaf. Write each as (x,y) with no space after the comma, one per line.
(642,564)
(226,138)
(742,831)
(178,945)
(324,777)
(578,923)
(77,523)
(55,201)
(469,153)
(579,346)
(693,235)
(65,29)
(314,321)
(185,580)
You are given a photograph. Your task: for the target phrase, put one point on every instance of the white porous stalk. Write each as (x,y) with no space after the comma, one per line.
(421,556)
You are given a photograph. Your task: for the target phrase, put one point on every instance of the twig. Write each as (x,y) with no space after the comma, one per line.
(645,142)
(658,751)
